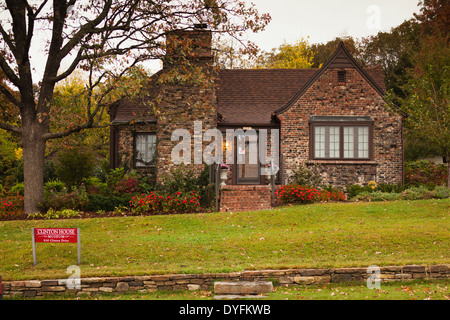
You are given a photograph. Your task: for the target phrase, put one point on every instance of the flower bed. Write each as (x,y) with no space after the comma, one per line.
(295,193)
(11,206)
(161,203)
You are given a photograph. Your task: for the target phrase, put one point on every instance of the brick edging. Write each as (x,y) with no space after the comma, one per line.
(286,277)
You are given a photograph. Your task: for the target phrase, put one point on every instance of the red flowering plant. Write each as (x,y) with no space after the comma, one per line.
(163,203)
(11,205)
(294,193)
(325,195)
(127,185)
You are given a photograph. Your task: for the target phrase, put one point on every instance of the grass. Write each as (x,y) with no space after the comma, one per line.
(305,236)
(412,290)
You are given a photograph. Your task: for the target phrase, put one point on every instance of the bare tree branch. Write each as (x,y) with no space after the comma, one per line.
(9,72)
(10,96)
(9,127)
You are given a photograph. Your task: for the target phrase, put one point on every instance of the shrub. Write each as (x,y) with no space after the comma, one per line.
(119,182)
(54,186)
(49,170)
(18,188)
(54,214)
(385,187)
(413,193)
(127,185)
(297,193)
(76,199)
(161,203)
(333,195)
(425,173)
(183,179)
(97,202)
(92,181)
(11,205)
(308,176)
(114,176)
(355,189)
(441,192)
(377,196)
(74,165)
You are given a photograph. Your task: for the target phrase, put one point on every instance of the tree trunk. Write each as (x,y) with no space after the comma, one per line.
(33,166)
(448,172)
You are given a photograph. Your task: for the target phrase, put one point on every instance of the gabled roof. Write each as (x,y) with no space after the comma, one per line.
(340,59)
(253,96)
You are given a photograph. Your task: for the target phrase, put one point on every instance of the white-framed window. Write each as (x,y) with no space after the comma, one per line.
(145,150)
(343,138)
(356,142)
(327,141)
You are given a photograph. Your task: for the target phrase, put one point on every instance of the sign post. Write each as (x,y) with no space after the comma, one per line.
(56,235)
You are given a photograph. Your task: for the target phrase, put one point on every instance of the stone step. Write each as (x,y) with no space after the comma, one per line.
(242,287)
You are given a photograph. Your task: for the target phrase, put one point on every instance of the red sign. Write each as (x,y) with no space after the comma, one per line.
(55,235)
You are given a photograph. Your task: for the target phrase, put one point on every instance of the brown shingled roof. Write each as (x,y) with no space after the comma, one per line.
(244,96)
(376,73)
(137,108)
(252,95)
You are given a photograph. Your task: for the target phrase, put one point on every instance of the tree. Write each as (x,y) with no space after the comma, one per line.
(103,37)
(323,51)
(426,104)
(228,54)
(392,50)
(287,56)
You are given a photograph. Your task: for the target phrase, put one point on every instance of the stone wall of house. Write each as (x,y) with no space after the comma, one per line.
(183,105)
(171,282)
(355,97)
(125,145)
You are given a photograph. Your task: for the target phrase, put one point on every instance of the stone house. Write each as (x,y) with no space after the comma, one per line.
(333,117)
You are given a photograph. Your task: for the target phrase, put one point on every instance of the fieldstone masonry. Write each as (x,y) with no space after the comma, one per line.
(151,283)
(355,97)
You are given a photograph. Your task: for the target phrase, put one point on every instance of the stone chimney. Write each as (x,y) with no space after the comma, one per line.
(187,94)
(191,45)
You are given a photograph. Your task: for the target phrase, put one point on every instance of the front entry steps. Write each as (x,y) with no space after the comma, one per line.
(245,198)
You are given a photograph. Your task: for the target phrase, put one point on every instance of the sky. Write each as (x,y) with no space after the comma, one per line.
(324,20)
(319,20)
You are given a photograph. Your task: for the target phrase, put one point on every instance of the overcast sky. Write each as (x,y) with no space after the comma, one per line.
(324,20)
(320,20)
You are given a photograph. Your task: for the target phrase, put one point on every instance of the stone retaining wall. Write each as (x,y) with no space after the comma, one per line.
(151,283)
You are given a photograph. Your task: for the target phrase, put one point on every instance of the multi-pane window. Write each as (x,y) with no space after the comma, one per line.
(326,142)
(356,142)
(145,144)
(340,140)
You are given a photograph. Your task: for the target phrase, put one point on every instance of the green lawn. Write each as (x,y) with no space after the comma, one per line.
(305,236)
